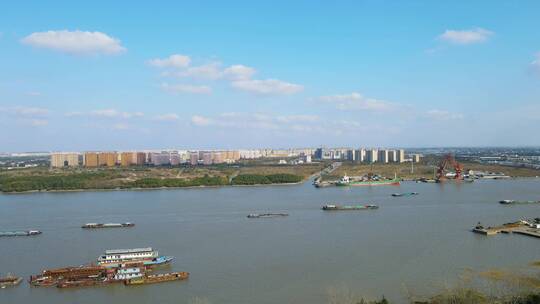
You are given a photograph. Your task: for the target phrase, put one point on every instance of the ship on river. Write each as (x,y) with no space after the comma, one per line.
(332,207)
(369,181)
(147,256)
(107,225)
(9,281)
(20,233)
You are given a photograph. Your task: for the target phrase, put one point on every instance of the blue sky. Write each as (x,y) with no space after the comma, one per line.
(240,74)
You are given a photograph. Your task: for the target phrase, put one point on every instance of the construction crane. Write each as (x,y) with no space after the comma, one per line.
(449,161)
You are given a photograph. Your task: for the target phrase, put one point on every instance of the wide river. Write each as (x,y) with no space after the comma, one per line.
(411,243)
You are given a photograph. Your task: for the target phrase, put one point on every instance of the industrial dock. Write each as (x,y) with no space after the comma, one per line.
(524,227)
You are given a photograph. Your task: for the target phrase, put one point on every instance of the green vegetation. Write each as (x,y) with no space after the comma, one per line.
(257,179)
(44,179)
(177,182)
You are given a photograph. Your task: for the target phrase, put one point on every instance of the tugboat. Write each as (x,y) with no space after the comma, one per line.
(9,281)
(331,207)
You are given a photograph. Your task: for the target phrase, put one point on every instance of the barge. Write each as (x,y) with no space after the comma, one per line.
(158,278)
(331,207)
(9,281)
(347,181)
(20,233)
(107,225)
(265,215)
(52,277)
(514,202)
(147,256)
(404,194)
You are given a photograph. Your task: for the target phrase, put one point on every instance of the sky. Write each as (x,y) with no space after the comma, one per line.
(116,75)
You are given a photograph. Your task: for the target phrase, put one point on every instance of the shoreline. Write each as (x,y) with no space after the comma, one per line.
(149,188)
(208,186)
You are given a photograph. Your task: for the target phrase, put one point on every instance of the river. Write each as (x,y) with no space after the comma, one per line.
(413,243)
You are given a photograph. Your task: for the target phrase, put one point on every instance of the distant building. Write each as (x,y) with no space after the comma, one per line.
(207,158)
(383,156)
(160,159)
(400,155)
(217,158)
(126,159)
(360,155)
(109,159)
(372,155)
(392,156)
(90,160)
(194,158)
(416,158)
(138,158)
(62,160)
(175,159)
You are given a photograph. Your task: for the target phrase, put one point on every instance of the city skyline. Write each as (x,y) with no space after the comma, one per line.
(79,77)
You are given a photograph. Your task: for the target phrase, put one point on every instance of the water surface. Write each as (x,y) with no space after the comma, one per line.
(417,242)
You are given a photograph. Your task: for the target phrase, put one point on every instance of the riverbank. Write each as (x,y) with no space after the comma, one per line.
(71,180)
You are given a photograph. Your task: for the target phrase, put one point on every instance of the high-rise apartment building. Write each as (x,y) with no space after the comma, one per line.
(383,156)
(62,160)
(372,155)
(400,156)
(90,160)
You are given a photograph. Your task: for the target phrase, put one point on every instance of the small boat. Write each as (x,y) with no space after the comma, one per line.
(20,233)
(158,278)
(404,194)
(331,207)
(9,281)
(264,215)
(107,225)
(512,202)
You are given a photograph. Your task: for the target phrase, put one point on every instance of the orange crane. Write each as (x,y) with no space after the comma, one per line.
(449,161)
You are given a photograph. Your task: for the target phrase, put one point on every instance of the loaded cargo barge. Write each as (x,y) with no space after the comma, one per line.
(347,181)
(107,225)
(158,278)
(347,208)
(20,233)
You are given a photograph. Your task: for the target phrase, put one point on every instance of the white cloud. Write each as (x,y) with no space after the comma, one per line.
(73,114)
(25,111)
(33,93)
(173,61)
(444,115)
(477,35)
(39,122)
(536,62)
(75,42)
(186,88)
(260,121)
(200,120)
(209,71)
(297,118)
(239,72)
(267,86)
(167,117)
(355,101)
(112,113)
(121,126)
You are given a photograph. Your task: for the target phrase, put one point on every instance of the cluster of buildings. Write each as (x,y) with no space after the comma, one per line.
(365,155)
(194,158)
(155,158)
